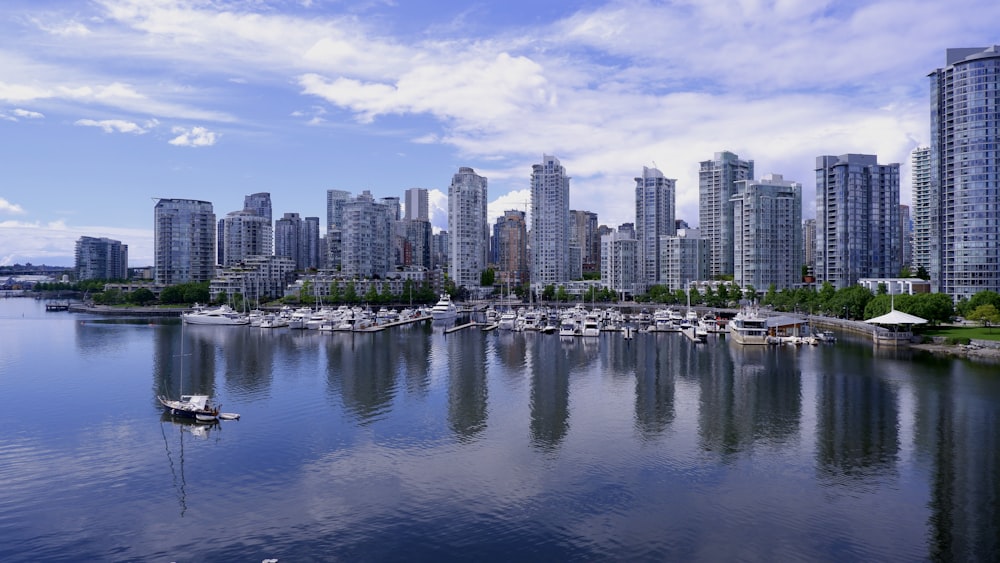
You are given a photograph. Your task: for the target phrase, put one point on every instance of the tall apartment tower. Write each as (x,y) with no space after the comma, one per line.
(259,204)
(965,173)
(716,186)
(583,233)
(510,244)
(184,238)
(920,171)
(367,236)
(684,258)
(245,234)
(335,200)
(101,259)
(809,244)
(857,219)
(620,263)
(415,205)
(288,238)
(905,236)
(470,235)
(655,217)
(549,235)
(767,223)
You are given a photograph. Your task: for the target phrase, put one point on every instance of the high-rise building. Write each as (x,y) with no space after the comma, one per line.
(549,233)
(684,259)
(905,236)
(920,172)
(335,200)
(245,234)
(510,243)
(415,204)
(655,217)
(583,233)
(809,244)
(309,243)
(416,238)
(470,235)
(965,172)
(767,227)
(716,186)
(287,238)
(259,204)
(184,238)
(857,219)
(440,247)
(366,237)
(101,259)
(620,263)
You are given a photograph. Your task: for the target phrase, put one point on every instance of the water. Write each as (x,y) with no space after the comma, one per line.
(413,445)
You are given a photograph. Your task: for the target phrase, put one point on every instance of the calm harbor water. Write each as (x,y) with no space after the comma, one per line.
(413,445)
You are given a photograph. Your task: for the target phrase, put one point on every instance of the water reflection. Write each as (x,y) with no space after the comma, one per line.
(749,393)
(857,421)
(467,387)
(362,367)
(961,442)
(550,365)
(174,431)
(183,363)
(654,387)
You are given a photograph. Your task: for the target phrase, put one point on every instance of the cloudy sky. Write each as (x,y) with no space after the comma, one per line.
(108,104)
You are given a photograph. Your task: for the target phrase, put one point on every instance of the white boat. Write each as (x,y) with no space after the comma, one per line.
(749,327)
(444,308)
(591,325)
(273,321)
(508,320)
(223,315)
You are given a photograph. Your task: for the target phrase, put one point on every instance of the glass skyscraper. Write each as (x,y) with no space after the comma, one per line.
(470,234)
(965,172)
(184,238)
(549,223)
(716,186)
(655,217)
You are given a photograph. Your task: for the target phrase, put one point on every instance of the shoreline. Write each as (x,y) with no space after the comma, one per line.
(969,352)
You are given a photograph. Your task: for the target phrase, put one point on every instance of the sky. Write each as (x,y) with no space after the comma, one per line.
(107,105)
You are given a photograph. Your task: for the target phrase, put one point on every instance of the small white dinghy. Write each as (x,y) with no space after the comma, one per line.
(229,416)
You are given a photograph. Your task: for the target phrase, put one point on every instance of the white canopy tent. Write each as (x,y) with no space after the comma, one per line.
(895,317)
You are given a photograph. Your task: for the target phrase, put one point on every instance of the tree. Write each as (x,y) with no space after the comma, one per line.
(985,297)
(142,296)
(563,295)
(922,273)
(351,293)
(487,278)
(986,314)
(549,292)
(371,296)
(905,272)
(172,295)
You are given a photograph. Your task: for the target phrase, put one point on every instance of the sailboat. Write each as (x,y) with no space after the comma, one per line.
(198,407)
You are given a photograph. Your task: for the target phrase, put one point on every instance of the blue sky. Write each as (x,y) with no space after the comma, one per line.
(107,104)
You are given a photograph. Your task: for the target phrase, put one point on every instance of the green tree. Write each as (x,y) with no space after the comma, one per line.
(563,296)
(336,295)
(922,273)
(487,278)
(985,297)
(350,293)
(172,295)
(371,296)
(549,292)
(986,314)
(142,296)
(770,296)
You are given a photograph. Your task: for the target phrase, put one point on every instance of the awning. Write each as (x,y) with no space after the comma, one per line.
(895,317)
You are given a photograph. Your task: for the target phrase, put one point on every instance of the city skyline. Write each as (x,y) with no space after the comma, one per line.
(109,104)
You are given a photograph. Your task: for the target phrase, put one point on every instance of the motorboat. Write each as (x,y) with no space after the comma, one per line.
(222,315)
(444,308)
(749,327)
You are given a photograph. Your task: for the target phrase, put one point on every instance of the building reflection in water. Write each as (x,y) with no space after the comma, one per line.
(550,365)
(188,367)
(958,436)
(748,394)
(467,386)
(857,422)
(363,368)
(654,386)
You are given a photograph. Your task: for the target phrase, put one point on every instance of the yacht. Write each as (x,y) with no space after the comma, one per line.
(749,327)
(508,320)
(591,325)
(444,308)
(223,315)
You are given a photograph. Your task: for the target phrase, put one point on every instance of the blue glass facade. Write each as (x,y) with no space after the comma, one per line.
(965,173)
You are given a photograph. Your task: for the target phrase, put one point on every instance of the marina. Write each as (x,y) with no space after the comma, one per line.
(494,445)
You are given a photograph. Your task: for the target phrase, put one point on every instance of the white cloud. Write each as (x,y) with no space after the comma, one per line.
(27,114)
(10,208)
(193,137)
(112,125)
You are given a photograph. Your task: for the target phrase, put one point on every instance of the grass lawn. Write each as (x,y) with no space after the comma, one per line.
(974,332)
